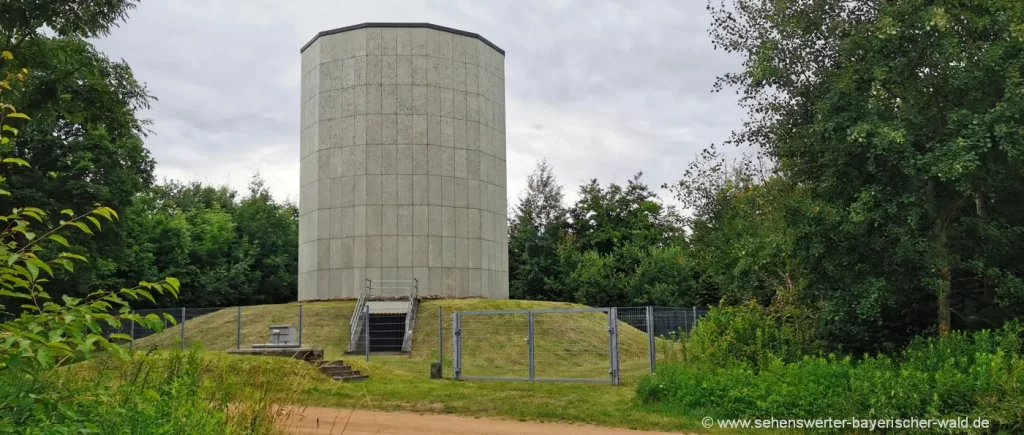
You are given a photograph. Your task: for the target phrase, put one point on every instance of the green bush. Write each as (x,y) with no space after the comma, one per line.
(959,375)
(747,336)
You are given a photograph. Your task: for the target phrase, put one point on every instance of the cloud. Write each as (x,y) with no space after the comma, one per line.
(600,89)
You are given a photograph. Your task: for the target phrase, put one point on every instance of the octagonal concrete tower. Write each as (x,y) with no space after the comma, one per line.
(403,162)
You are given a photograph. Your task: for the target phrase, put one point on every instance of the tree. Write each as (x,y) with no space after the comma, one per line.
(901,121)
(86,140)
(536,229)
(606,218)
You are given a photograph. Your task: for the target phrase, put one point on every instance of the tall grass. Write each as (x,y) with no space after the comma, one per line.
(168,393)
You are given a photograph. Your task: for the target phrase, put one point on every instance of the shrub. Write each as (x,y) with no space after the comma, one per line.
(748,335)
(959,375)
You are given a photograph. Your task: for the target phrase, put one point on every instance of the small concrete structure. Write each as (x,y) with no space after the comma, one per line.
(402,162)
(299,353)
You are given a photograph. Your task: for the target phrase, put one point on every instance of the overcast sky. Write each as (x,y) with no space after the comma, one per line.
(601,89)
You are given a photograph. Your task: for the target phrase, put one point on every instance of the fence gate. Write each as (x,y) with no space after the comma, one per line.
(562,345)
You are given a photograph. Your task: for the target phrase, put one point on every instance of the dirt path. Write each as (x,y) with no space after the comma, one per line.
(332,421)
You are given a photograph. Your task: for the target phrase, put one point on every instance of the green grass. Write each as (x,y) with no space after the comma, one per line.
(573,345)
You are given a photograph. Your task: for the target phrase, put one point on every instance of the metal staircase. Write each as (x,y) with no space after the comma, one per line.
(385,300)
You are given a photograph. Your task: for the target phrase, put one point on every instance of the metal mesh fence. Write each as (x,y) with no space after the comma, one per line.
(567,344)
(506,358)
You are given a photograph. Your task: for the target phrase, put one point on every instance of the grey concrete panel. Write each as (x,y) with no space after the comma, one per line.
(389,189)
(419,73)
(404,219)
(435,251)
(389,251)
(419,137)
(448,251)
(435,189)
(373,220)
(405,99)
(405,189)
(435,219)
(448,227)
(448,191)
(419,100)
(420,250)
(461,252)
(419,220)
(404,70)
(404,155)
(404,251)
(359,220)
(389,220)
(420,188)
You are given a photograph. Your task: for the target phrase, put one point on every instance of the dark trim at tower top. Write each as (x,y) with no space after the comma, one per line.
(402,25)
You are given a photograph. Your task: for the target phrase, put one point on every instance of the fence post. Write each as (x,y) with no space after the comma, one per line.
(457,345)
(529,344)
(613,345)
(650,336)
(366,329)
(238,329)
(131,329)
(440,338)
(182,328)
(300,325)
(694,324)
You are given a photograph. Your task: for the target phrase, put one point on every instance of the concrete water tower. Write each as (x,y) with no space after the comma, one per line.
(402,162)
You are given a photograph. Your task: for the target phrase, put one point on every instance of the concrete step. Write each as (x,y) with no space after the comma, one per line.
(337,371)
(351,378)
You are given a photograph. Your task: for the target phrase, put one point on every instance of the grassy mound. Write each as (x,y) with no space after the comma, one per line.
(566,345)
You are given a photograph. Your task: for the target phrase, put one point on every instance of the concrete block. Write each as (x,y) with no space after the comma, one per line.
(433,101)
(332,48)
(373,129)
(311,56)
(404,129)
(404,190)
(473,109)
(323,254)
(435,160)
(389,220)
(419,100)
(419,72)
(473,223)
(404,41)
(448,222)
(404,213)
(374,159)
(459,105)
(357,163)
(461,197)
(330,105)
(472,79)
(473,164)
(405,251)
(459,77)
(436,283)
(404,70)
(447,103)
(434,130)
(462,223)
(389,251)
(373,220)
(389,159)
(419,136)
(388,41)
(448,191)
(331,76)
(461,252)
(419,220)
(404,152)
(374,190)
(373,41)
(389,189)
(435,219)
(359,220)
(473,248)
(341,223)
(447,161)
(460,163)
(419,41)
(420,250)
(405,100)
(445,39)
(372,273)
(356,42)
(473,136)
(474,284)
(447,132)
(435,251)
(313,218)
(324,192)
(436,190)
(336,255)
(451,283)
(389,70)
(323,284)
(389,99)
(389,273)
(420,189)
(358,103)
